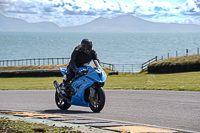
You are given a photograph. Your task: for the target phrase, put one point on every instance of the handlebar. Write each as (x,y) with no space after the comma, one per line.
(84,72)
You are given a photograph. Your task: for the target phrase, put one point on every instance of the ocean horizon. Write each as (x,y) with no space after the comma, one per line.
(115,48)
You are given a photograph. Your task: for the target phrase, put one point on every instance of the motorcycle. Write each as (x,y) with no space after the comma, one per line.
(85,89)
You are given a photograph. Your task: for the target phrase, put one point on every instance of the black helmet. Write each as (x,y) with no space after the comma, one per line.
(86,45)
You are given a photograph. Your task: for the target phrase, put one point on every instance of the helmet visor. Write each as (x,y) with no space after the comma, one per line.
(87,48)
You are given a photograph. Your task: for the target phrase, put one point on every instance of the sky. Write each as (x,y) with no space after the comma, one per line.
(66,13)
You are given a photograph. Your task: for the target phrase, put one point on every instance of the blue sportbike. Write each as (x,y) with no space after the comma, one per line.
(85,89)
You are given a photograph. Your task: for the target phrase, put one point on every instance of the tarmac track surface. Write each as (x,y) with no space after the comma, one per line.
(173,109)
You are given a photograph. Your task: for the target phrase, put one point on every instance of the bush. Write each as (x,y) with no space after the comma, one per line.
(174,65)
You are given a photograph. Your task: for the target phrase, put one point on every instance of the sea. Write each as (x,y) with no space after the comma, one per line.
(114,48)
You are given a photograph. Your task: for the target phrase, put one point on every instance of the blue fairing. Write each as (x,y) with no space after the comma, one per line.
(63,70)
(80,86)
(97,75)
(85,81)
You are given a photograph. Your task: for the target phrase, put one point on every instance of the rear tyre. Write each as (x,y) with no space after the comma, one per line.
(60,102)
(97,102)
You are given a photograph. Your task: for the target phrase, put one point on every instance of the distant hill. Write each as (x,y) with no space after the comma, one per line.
(124,23)
(129,23)
(8,24)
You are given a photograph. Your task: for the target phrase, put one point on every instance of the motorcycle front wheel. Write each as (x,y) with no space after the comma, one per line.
(60,102)
(97,102)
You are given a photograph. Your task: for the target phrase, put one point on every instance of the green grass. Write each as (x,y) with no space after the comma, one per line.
(189,81)
(28,83)
(9,126)
(184,60)
(176,81)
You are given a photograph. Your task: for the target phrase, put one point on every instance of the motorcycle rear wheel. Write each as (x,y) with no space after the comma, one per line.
(97,104)
(60,102)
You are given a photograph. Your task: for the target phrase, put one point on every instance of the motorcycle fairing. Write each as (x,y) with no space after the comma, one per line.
(91,74)
(80,87)
(96,74)
(63,70)
(102,74)
(82,83)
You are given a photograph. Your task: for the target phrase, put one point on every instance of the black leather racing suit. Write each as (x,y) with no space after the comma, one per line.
(78,59)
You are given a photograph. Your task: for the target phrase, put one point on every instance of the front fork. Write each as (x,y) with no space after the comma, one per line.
(92,93)
(93,97)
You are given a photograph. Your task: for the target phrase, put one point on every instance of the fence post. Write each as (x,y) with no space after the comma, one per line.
(156,58)
(43,61)
(132,68)
(176,53)
(186,52)
(197,51)
(168,55)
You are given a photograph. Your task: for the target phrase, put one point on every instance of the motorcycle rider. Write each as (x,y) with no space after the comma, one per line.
(82,54)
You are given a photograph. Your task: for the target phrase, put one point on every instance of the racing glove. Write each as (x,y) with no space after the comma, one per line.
(77,72)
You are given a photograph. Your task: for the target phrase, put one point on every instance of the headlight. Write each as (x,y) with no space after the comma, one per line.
(104,73)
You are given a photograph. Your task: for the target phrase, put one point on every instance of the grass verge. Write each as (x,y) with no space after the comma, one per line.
(9,126)
(188,81)
(184,60)
(43,67)
(174,65)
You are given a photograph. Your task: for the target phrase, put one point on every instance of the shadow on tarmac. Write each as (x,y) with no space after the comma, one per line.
(65,111)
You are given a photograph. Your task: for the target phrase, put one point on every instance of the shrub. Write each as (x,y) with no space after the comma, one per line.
(178,64)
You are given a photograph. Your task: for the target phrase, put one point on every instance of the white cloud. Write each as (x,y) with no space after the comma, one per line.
(76,12)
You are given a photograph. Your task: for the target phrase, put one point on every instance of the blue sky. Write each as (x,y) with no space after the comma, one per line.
(76,12)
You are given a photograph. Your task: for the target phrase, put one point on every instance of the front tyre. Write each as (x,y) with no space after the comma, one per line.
(60,102)
(97,101)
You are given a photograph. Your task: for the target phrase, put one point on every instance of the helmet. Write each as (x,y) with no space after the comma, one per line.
(86,45)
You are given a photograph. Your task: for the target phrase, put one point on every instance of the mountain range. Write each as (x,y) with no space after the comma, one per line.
(124,23)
